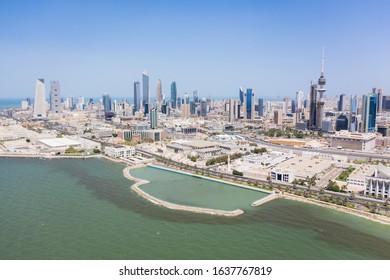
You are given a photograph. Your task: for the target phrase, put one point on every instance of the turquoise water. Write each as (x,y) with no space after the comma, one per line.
(188,190)
(85,209)
(10,103)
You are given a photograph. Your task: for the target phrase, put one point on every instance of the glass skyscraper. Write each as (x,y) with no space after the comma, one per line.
(137,96)
(106,102)
(173,94)
(249,104)
(369,112)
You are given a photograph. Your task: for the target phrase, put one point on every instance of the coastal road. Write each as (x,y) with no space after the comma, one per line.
(357,154)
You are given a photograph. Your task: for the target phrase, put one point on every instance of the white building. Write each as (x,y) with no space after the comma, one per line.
(120,151)
(40,101)
(282,175)
(378,185)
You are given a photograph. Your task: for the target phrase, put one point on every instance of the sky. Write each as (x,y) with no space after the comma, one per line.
(273,47)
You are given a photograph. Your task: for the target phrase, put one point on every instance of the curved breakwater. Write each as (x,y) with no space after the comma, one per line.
(140,182)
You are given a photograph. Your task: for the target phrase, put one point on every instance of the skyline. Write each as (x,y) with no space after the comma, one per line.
(275,49)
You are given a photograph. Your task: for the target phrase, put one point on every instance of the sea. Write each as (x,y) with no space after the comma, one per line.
(84,209)
(6,103)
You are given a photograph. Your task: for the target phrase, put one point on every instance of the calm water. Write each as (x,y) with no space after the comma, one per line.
(169,186)
(84,209)
(10,103)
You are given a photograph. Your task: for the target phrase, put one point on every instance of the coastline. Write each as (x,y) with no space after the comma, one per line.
(370,216)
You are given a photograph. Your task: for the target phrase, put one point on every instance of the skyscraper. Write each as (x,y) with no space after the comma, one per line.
(137,96)
(299,101)
(145,90)
(249,104)
(342,122)
(55,99)
(260,107)
(158,91)
(352,114)
(313,107)
(369,107)
(379,93)
(106,102)
(293,107)
(40,100)
(203,108)
(241,95)
(173,94)
(153,118)
(185,108)
(195,96)
(341,103)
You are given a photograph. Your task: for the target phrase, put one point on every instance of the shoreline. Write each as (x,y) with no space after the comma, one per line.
(369,216)
(362,214)
(139,182)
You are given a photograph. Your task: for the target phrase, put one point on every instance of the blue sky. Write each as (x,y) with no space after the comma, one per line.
(214,47)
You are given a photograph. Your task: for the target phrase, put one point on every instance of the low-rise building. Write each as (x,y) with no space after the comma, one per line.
(120,151)
(378,185)
(353,141)
(282,175)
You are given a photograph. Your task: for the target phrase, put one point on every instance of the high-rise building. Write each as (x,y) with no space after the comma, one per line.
(203,108)
(341,104)
(192,108)
(173,95)
(369,107)
(278,117)
(195,96)
(137,96)
(234,108)
(313,106)
(386,103)
(299,100)
(353,114)
(249,104)
(153,118)
(185,108)
(39,112)
(241,95)
(293,107)
(342,122)
(55,98)
(379,93)
(260,107)
(107,102)
(158,91)
(145,90)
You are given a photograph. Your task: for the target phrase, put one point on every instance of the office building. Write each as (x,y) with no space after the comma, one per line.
(153,118)
(260,107)
(342,122)
(145,91)
(195,96)
(137,96)
(278,117)
(313,106)
(159,91)
(369,108)
(55,99)
(249,104)
(241,95)
(299,100)
(293,106)
(39,112)
(173,95)
(107,103)
(203,108)
(342,102)
(353,114)
(379,93)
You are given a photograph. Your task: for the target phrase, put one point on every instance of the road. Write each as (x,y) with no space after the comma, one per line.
(366,155)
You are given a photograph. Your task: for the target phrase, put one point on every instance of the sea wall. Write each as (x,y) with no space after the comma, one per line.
(140,182)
